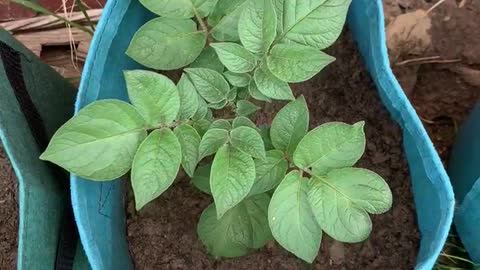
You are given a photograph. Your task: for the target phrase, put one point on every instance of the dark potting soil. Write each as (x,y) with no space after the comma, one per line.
(163,234)
(8,214)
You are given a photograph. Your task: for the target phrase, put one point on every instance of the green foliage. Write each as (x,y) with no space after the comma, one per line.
(154,96)
(257,27)
(342,200)
(210,84)
(180,8)
(291,218)
(235,57)
(269,172)
(99,143)
(189,139)
(231,178)
(221,124)
(155,166)
(296,63)
(201,178)
(208,59)
(317,23)
(248,140)
(212,140)
(189,100)
(236,79)
(246,108)
(336,145)
(255,49)
(271,86)
(290,125)
(242,228)
(167,44)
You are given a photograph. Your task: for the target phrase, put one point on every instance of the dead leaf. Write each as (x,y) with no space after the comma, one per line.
(408,34)
(469,75)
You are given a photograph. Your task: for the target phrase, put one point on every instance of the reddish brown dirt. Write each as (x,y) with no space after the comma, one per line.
(443,94)
(163,235)
(8,214)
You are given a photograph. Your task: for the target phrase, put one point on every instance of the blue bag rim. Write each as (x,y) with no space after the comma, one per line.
(81,102)
(414,126)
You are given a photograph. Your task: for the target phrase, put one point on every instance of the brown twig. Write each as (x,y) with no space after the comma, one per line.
(427,60)
(48,22)
(435,6)
(427,121)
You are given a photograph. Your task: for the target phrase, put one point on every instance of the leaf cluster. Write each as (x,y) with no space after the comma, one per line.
(280,181)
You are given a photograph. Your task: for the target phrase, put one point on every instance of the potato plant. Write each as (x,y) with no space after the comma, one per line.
(280,182)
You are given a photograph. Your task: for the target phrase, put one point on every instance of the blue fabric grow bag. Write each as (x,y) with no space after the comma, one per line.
(99,207)
(464,173)
(34,102)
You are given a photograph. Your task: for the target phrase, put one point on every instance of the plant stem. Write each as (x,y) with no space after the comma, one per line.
(446,267)
(82,8)
(201,22)
(457,258)
(203,25)
(308,171)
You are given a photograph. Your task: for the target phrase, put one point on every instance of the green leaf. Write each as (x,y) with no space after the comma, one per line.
(221,124)
(167,44)
(210,84)
(231,178)
(218,105)
(248,140)
(291,219)
(245,108)
(243,227)
(202,109)
(208,59)
(342,200)
(242,93)
(317,23)
(211,141)
(238,80)
(296,63)
(201,126)
(234,57)
(257,26)
(269,172)
(201,178)
(155,96)
(223,8)
(255,93)
(179,8)
(155,166)
(188,99)
(271,86)
(290,125)
(227,27)
(243,121)
(265,133)
(232,95)
(98,143)
(190,141)
(257,209)
(336,145)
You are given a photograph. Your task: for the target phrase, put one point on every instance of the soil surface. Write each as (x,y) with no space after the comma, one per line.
(8,214)
(163,234)
(445,91)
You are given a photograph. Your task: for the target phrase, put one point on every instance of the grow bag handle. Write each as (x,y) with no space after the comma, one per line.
(68,235)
